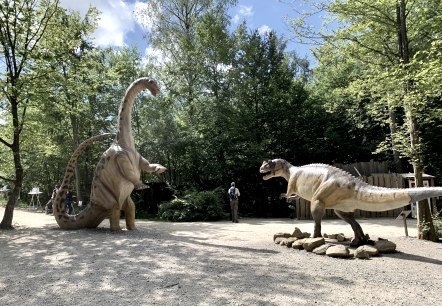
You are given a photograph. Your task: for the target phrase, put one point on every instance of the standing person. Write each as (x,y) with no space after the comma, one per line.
(233,195)
(68,204)
(49,204)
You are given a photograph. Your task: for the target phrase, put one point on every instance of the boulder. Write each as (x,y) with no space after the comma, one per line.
(338,251)
(332,236)
(320,250)
(297,233)
(371,251)
(361,254)
(385,246)
(290,241)
(278,240)
(312,243)
(340,237)
(283,235)
(298,244)
(306,235)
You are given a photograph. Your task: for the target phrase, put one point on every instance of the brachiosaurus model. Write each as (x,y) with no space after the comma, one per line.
(116,175)
(327,187)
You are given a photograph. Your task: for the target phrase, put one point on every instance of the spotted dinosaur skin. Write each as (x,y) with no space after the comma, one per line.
(327,187)
(88,215)
(116,175)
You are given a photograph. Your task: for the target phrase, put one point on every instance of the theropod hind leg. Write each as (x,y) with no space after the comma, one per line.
(317,209)
(349,217)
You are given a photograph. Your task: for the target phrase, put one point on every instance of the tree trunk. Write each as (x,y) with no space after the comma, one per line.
(75,142)
(393,130)
(15,147)
(425,221)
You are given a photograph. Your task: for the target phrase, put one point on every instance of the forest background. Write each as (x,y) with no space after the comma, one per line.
(231,97)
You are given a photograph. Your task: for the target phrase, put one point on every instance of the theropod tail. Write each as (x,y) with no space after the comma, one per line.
(421,193)
(372,198)
(64,220)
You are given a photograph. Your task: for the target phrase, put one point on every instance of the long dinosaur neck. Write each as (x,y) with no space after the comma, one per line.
(124,134)
(64,220)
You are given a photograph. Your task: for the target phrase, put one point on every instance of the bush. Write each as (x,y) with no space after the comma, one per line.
(194,206)
(437,222)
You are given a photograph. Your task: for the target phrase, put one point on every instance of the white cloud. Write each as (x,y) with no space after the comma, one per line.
(243,12)
(155,56)
(140,17)
(115,21)
(264,29)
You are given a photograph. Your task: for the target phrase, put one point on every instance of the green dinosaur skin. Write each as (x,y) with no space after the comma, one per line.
(327,187)
(116,175)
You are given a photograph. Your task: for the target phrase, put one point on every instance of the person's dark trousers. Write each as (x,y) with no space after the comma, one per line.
(234,210)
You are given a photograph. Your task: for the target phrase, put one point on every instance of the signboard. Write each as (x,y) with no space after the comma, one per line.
(404,214)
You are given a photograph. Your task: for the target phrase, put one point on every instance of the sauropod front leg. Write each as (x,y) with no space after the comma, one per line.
(151,168)
(129,172)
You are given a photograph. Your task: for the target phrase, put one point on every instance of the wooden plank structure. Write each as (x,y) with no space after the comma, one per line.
(390,180)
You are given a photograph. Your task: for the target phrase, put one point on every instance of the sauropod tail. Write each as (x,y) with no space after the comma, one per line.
(64,220)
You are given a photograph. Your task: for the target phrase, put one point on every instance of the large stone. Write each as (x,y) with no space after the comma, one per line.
(279,240)
(298,244)
(311,243)
(297,233)
(340,237)
(306,235)
(385,246)
(370,250)
(290,241)
(279,235)
(338,251)
(361,254)
(320,250)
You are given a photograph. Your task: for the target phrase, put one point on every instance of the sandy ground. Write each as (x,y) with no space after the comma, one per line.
(216,263)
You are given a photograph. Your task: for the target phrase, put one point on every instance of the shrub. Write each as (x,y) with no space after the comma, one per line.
(437,222)
(194,206)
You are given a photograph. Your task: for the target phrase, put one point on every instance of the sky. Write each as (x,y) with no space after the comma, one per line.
(118,25)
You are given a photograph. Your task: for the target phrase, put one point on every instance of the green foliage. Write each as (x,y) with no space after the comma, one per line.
(437,222)
(230,98)
(194,206)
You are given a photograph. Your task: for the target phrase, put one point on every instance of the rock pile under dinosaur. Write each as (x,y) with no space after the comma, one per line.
(333,245)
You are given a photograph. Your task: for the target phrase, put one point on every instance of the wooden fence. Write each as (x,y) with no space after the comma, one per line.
(392,180)
(365,168)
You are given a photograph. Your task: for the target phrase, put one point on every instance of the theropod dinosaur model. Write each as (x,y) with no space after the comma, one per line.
(116,175)
(327,187)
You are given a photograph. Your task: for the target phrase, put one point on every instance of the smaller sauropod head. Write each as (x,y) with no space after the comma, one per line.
(153,87)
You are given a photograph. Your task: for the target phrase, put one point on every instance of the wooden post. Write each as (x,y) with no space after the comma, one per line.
(403,215)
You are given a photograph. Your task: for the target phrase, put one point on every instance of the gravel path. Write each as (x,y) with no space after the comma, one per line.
(216,263)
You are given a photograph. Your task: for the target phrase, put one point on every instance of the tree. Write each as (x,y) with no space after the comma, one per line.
(23,24)
(72,64)
(177,32)
(381,39)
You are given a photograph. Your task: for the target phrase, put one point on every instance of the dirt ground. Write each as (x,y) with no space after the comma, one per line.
(202,263)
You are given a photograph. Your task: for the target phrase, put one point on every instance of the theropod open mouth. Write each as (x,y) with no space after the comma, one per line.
(266,174)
